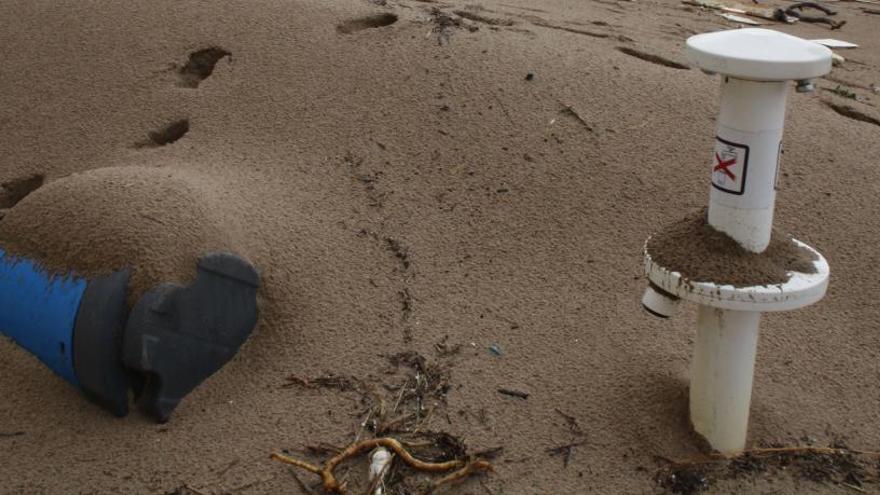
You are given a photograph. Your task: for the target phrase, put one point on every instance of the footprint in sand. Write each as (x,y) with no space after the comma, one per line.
(371,21)
(166,135)
(13,191)
(200,66)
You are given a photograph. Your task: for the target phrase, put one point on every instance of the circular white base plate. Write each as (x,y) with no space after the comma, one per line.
(802,289)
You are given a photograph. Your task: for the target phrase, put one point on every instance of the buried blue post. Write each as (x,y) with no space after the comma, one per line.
(173,338)
(71,324)
(38,311)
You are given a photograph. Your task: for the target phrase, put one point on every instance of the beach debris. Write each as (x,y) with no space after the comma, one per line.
(11,434)
(380,463)
(495,350)
(571,112)
(458,469)
(530,76)
(832,43)
(565,451)
(397,417)
(740,19)
(445,25)
(871,11)
(445,349)
(844,92)
(571,421)
(734,7)
(796,10)
(331,381)
(513,393)
(836,465)
(399,250)
(201,65)
(577,433)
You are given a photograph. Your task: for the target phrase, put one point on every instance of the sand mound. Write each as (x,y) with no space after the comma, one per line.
(701,253)
(154,220)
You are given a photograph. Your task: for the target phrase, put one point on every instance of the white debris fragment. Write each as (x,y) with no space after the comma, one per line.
(380,462)
(740,19)
(832,43)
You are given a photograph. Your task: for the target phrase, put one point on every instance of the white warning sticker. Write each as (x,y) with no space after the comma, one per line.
(730,166)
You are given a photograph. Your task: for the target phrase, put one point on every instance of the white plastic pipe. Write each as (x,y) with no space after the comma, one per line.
(659,303)
(745,171)
(746,160)
(721,376)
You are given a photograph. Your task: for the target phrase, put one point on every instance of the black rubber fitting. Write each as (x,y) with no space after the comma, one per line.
(97,342)
(179,336)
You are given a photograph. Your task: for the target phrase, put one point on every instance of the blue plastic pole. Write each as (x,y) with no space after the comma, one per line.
(38,311)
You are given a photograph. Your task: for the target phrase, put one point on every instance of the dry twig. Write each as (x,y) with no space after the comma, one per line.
(513,393)
(462,468)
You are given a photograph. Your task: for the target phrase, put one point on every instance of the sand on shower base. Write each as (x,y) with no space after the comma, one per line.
(412,179)
(701,253)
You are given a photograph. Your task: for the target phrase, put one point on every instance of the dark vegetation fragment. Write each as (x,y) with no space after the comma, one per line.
(401,407)
(835,465)
(400,251)
(446,24)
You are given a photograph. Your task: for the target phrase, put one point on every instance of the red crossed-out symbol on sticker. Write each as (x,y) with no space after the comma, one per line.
(723,166)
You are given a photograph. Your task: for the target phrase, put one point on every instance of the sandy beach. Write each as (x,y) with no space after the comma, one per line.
(469,182)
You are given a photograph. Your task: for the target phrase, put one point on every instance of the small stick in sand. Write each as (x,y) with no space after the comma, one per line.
(565,451)
(569,110)
(513,393)
(463,468)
